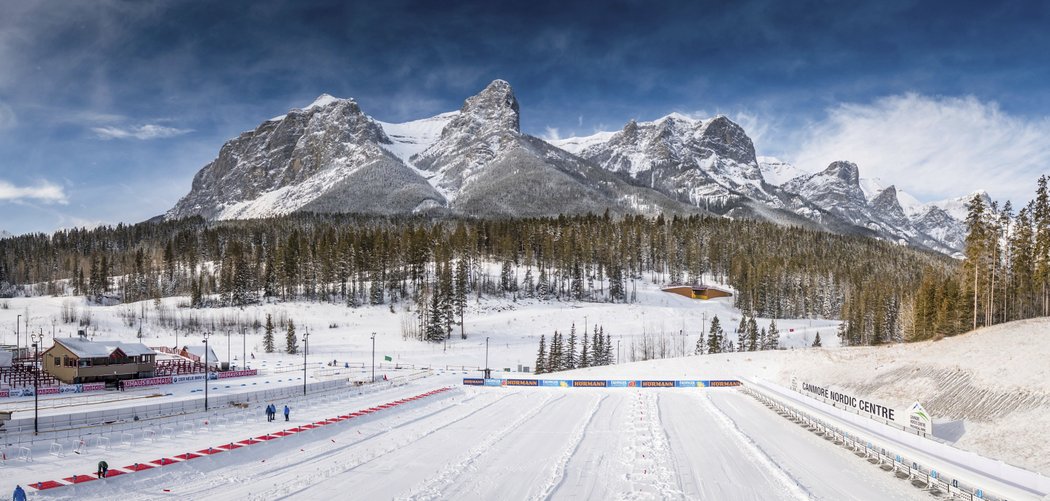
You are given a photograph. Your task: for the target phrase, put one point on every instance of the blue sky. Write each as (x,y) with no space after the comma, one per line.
(107,109)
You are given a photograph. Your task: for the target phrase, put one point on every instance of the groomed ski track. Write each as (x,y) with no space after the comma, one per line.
(527,443)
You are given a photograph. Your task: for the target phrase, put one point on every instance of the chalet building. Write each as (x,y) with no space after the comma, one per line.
(698,291)
(77,360)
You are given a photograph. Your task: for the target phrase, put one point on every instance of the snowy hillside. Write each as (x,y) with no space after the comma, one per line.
(988,391)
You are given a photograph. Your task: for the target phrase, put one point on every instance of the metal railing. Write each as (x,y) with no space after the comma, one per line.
(925,477)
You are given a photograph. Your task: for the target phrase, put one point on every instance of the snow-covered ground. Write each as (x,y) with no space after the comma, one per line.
(486,443)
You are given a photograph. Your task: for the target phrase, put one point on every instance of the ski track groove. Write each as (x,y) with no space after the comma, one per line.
(557,474)
(274,468)
(790,484)
(432,488)
(346,466)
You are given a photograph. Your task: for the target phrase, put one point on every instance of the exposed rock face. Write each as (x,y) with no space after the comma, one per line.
(289,162)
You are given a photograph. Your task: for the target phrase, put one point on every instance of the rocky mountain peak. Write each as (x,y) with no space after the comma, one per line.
(887,203)
(846,171)
(495,107)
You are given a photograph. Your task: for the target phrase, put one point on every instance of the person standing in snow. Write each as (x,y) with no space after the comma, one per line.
(103,468)
(286,412)
(19,495)
(268,411)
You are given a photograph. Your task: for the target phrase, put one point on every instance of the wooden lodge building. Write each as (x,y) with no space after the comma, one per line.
(78,360)
(698,291)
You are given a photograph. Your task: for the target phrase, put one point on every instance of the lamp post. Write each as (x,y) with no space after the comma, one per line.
(306,348)
(37,338)
(205,372)
(487,373)
(617,351)
(244,348)
(229,351)
(18,334)
(373,357)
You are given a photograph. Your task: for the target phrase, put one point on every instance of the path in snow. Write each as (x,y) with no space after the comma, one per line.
(533,443)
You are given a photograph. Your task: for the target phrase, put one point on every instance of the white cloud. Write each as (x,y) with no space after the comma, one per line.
(551,133)
(7,116)
(44,191)
(144,132)
(934,147)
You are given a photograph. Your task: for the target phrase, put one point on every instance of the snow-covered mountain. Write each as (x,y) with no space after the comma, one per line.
(332,157)
(894,214)
(326,157)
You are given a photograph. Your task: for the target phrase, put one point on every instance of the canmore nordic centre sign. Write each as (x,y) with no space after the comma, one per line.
(850,401)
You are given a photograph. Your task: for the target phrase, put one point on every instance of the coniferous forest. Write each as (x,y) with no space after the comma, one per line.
(885,292)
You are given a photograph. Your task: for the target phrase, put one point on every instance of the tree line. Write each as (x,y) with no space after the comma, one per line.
(1005,275)
(435,267)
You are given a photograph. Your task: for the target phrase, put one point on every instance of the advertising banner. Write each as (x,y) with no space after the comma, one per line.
(620,383)
(656,384)
(473,381)
(689,384)
(721,383)
(522,382)
(584,383)
(240,373)
(5,393)
(92,386)
(153,381)
(182,378)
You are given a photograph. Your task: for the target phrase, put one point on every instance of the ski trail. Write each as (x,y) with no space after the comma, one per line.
(791,486)
(557,475)
(647,454)
(432,488)
(368,456)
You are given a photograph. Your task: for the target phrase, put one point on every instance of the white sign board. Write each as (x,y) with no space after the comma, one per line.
(919,420)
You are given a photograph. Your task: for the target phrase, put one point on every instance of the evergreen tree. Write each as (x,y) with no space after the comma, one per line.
(543,287)
(608,347)
(715,336)
(816,341)
(571,360)
(753,341)
(554,357)
(772,340)
(291,342)
(700,345)
(585,355)
(268,336)
(598,348)
(541,356)
(460,296)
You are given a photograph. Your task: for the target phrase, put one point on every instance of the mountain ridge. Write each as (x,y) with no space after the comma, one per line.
(332,157)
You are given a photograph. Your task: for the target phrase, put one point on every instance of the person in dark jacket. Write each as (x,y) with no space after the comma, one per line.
(269,412)
(19,495)
(286,412)
(103,468)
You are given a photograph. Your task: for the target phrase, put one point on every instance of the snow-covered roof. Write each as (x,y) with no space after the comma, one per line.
(100,349)
(198,351)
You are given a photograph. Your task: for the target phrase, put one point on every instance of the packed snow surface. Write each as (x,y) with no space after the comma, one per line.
(537,443)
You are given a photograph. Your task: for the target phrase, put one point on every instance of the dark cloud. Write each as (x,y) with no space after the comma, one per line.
(71,69)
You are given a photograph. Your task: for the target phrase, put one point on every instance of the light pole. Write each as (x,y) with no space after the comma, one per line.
(244,348)
(205,372)
(487,373)
(373,357)
(617,352)
(18,334)
(37,338)
(306,348)
(229,351)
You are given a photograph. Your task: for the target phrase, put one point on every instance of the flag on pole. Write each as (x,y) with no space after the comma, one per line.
(387,358)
